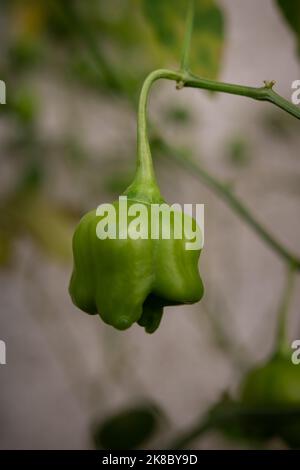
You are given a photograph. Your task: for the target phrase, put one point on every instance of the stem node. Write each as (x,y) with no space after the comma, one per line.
(179,85)
(269,84)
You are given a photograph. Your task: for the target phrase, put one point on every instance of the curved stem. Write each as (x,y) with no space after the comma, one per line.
(144,161)
(185,79)
(264,93)
(145,173)
(187,37)
(282,346)
(144,186)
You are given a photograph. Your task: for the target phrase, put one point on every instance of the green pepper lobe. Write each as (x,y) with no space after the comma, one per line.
(132,280)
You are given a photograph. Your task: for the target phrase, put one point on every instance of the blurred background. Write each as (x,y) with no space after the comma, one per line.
(73,71)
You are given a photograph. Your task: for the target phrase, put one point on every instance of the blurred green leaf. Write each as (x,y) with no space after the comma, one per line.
(256,424)
(32,177)
(50,226)
(178,115)
(74,151)
(161,148)
(85,71)
(239,422)
(25,54)
(5,248)
(118,181)
(290,432)
(127,429)
(280,125)
(238,152)
(167,20)
(290,9)
(23,105)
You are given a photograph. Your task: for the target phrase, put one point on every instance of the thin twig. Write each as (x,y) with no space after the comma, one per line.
(233,202)
(188,37)
(282,346)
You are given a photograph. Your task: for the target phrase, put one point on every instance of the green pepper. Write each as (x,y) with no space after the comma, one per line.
(273,390)
(276,383)
(132,280)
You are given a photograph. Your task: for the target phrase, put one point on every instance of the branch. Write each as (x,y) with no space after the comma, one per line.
(264,93)
(233,202)
(217,186)
(186,79)
(236,416)
(282,346)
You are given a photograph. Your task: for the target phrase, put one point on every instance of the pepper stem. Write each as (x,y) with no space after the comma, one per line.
(144,186)
(144,162)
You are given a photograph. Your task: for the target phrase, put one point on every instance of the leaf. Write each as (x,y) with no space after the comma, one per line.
(118,181)
(178,115)
(24,106)
(167,20)
(238,151)
(5,248)
(128,429)
(50,226)
(290,9)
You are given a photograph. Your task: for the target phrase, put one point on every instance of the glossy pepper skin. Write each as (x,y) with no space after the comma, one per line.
(126,280)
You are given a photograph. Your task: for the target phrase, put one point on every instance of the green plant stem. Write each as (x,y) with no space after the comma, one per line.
(282,346)
(144,159)
(264,93)
(188,37)
(199,430)
(235,351)
(233,413)
(144,185)
(145,167)
(212,420)
(238,207)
